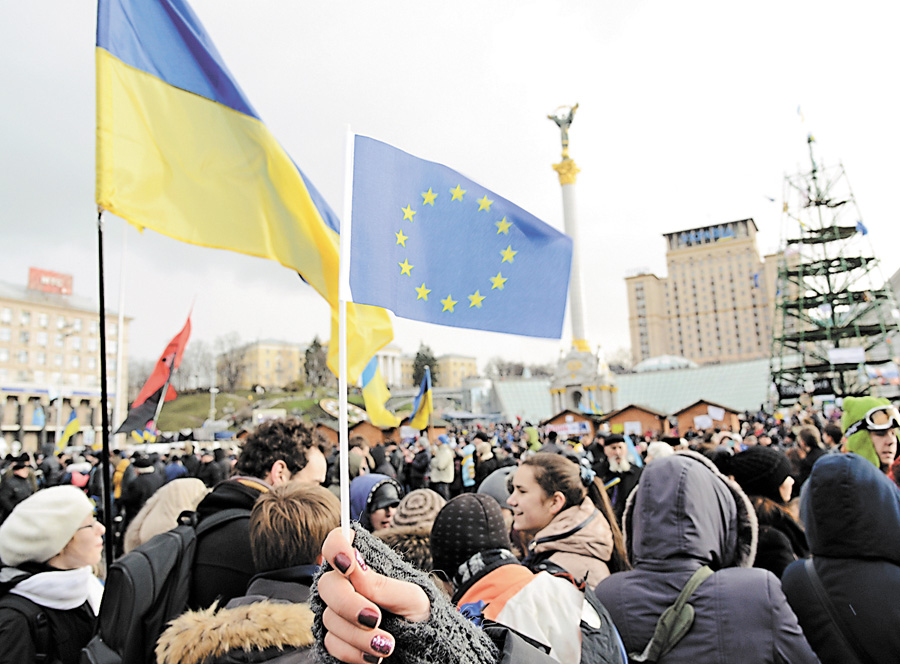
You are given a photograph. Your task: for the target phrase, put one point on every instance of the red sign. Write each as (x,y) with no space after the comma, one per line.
(49,282)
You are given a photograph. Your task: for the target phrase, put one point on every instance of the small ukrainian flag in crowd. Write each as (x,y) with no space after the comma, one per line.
(434,246)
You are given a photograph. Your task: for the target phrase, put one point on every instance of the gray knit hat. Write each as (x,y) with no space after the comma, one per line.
(418,507)
(468,524)
(41,525)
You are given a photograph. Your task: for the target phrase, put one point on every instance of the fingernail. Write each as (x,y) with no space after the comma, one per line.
(368,617)
(382,644)
(342,562)
(360,561)
(372,659)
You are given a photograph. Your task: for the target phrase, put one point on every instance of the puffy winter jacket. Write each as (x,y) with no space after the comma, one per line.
(852,515)
(685,514)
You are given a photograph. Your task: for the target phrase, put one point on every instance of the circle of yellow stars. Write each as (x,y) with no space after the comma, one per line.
(506,256)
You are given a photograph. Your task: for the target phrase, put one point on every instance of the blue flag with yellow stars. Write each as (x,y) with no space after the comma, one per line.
(431,245)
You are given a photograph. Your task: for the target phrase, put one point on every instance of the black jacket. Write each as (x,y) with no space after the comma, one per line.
(223,564)
(852,516)
(13,490)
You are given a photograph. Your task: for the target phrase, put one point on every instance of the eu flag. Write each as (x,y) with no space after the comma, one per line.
(431,245)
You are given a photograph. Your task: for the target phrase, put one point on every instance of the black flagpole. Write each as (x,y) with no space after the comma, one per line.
(104,412)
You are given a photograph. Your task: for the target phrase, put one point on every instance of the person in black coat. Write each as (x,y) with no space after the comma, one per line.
(16,486)
(852,517)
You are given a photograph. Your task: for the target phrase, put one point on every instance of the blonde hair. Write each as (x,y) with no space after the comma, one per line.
(289,523)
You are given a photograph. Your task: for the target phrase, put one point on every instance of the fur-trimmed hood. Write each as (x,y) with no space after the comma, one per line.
(199,636)
(684,507)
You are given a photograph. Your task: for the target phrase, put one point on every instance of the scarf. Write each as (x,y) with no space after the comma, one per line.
(63,590)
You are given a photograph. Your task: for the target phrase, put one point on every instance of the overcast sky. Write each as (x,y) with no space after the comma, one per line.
(688,116)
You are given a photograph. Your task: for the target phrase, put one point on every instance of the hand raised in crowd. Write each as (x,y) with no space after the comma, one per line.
(355,597)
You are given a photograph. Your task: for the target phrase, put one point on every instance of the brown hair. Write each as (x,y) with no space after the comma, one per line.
(810,437)
(554,472)
(284,440)
(289,523)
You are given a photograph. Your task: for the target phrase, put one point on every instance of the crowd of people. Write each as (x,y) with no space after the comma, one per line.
(779,542)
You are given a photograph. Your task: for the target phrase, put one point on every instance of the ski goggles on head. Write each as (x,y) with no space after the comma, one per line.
(880,418)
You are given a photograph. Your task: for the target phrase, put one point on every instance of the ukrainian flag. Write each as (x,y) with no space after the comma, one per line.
(181,151)
(73,426)
(376,394)
(424,404)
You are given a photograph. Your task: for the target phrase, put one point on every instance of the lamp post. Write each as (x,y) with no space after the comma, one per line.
(213,391)
(65,333)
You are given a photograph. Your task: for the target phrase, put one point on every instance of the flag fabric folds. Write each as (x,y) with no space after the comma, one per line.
(180,150)
(376,394)
(861,227)
(72,427)
(424,404)
(431,245)
(143,408)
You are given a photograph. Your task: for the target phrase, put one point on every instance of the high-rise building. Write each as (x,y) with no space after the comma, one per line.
(715,305)
(50,361)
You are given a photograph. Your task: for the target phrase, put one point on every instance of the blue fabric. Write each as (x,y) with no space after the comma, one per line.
(165,39)
(477,246)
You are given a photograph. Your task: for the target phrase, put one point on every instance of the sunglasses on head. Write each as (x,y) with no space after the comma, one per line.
(880,418)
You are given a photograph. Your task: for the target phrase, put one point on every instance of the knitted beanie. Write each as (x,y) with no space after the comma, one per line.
(468,524)
(41,525)
(419,506)
(761,471)
(855,409)
(494,485)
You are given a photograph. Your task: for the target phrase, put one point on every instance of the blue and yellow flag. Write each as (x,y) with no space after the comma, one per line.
(181,151)
(423,405)
(73,426)
(376,394)
(432,245)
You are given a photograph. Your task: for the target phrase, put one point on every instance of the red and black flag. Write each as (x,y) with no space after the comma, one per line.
(143,409)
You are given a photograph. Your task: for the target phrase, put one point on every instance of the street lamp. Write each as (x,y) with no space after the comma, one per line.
(65,333)
(213,391)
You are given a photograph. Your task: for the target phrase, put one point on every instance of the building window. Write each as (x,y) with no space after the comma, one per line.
(60,341)
(76,325)
(72,379)
(23,357)
(92,363)
(76,343)
(43,320)
(24,337)
(5,334)
(25,318)
(92,327)
(38,376)
(112,329)
(6,315)
(42,339)
(111,347)
(92,345)
(76,361)
(60,322)
(57,360)
(4,354)
(41,358)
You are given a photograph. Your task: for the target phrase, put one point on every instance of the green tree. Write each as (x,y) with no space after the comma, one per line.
(316,366)
(424,358)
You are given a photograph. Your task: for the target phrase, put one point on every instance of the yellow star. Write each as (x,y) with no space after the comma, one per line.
(429,197)
(475,300)
(422,292)
(457,193)
(508,254)
(401,238)
(408,213)
(484,203)
(503,226)
(448,303)
(498,281)
(405,268)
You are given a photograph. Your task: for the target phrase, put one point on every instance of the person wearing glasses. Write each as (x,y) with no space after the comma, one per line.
(49,596)
(870,427)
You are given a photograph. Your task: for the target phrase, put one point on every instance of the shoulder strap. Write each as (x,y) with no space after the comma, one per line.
(849,641)
(221,518)
(38,623)
(675,622)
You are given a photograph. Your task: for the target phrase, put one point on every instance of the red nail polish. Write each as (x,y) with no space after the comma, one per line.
(360,561)
(381,644)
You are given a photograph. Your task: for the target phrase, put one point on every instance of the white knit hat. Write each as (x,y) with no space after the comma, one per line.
(41,525)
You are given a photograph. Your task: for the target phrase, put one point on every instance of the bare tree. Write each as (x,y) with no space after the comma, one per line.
(620,360)
(316,366)
(138,373)
(197,368)
(229,359)
(497,367)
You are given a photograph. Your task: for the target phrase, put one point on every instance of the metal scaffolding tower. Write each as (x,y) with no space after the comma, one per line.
(835,315)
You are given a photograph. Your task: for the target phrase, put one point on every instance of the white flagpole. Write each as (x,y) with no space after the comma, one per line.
(343,294)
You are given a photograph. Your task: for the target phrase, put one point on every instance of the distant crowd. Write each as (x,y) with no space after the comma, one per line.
(494,542)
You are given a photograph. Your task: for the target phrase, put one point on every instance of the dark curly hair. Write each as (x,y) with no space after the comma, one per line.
(284,440)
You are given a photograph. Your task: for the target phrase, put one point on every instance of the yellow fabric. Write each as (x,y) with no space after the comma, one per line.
(200,172)
(376,395)
(420,418)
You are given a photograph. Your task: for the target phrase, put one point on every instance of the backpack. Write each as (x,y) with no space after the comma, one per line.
(146,588)
(38,624)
